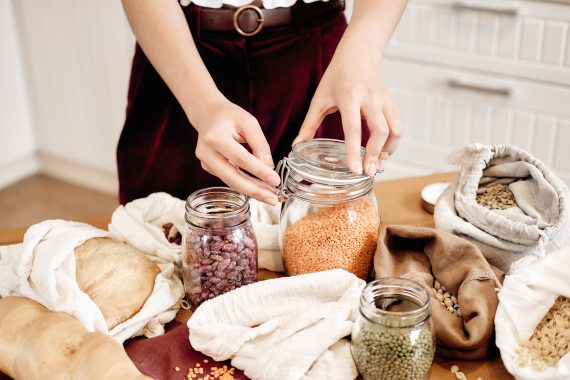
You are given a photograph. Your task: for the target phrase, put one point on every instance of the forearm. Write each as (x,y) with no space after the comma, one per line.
(163,34)
(372,24)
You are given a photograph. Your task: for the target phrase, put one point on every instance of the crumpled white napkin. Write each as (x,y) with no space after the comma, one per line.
(285,328)
(42,268)
(524,299)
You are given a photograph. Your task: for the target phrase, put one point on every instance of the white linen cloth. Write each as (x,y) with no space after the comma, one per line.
(286,328)
(525,298)
(513,238)
(139,224)
(268,4)
(42,268)
(265,221)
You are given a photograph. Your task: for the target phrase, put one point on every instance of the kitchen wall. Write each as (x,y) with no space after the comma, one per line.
(76,56)
(16,136)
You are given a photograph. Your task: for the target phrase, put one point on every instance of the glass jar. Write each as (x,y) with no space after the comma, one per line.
(329,219)
(393,337)
(219,245)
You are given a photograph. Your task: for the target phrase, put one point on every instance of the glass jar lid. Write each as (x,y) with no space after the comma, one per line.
(324,160)
(317,170)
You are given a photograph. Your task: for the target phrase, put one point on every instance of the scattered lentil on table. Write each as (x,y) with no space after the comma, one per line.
(550,339)
(341,236)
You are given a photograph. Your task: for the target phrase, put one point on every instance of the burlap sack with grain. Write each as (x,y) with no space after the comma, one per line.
(518,236)
(422,254)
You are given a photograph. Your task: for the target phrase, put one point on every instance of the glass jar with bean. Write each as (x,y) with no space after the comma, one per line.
(393,337)
(219,245)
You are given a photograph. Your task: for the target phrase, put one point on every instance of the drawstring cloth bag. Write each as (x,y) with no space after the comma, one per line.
(141,222)
(517,236)
(525,298)
(424,254)
(43,268)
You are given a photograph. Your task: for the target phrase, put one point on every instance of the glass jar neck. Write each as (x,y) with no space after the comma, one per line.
(216,208)
(296,182)
(395,302)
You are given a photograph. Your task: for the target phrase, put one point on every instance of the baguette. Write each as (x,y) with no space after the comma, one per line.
(36,343)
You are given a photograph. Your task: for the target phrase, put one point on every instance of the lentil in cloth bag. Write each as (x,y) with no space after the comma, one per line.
(510,236)
(424,255)
(533,320)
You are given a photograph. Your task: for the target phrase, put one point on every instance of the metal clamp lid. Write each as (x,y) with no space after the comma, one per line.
(319,166)
(283,170)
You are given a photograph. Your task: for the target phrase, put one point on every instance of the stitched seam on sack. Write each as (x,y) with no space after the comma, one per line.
(481,276)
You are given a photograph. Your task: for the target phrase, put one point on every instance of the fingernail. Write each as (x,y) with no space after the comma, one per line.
(273,179)
(358,167)
(371,168)
(381,166)
(270,200)
(268,160)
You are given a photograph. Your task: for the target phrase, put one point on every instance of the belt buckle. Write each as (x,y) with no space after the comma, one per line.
(260,20)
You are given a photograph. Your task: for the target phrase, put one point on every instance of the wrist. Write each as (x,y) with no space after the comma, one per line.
(355,45)
(202,104)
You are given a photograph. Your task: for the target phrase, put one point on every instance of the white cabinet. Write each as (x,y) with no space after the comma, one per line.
(481,71)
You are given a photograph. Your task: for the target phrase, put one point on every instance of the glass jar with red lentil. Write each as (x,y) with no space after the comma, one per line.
(330,218)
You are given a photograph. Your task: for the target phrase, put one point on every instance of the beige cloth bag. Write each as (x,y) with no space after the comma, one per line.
(513,238)
(422,254)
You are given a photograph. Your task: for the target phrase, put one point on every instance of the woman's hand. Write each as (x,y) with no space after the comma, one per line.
(352,85)
(222,129)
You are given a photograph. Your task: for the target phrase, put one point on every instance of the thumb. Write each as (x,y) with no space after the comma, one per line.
(312,122)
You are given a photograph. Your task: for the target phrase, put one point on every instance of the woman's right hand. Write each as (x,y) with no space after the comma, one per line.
(223,128)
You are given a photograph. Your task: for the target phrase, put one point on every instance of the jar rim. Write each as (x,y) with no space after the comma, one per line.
(214,203)
(324,161)
(317,171)
(395,288)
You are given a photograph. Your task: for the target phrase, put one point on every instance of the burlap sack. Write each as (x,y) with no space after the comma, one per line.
(516,237)
(422,254)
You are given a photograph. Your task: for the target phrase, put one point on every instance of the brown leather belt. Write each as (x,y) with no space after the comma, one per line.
(250,19)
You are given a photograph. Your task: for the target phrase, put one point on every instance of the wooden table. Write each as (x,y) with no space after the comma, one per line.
(399,203)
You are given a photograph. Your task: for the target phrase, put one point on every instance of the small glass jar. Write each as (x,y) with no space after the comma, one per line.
(219,245)
(329,219)
(393,337)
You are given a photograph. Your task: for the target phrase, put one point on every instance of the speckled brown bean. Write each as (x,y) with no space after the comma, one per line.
(215,264)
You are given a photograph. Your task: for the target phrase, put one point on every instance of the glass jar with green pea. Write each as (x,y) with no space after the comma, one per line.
(393,337)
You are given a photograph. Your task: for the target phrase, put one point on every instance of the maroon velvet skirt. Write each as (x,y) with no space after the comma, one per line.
(273,75)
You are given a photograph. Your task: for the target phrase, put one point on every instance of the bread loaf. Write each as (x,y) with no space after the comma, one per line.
(116,276)
(36,343)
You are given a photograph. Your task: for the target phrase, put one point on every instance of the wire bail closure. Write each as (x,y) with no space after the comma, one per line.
(283,170)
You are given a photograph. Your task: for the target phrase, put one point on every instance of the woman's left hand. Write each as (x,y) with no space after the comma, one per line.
(352,85)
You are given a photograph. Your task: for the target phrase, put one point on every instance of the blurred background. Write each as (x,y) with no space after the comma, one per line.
(489,71)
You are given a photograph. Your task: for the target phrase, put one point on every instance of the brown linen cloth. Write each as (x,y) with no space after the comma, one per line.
(421,254)
(158,357)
